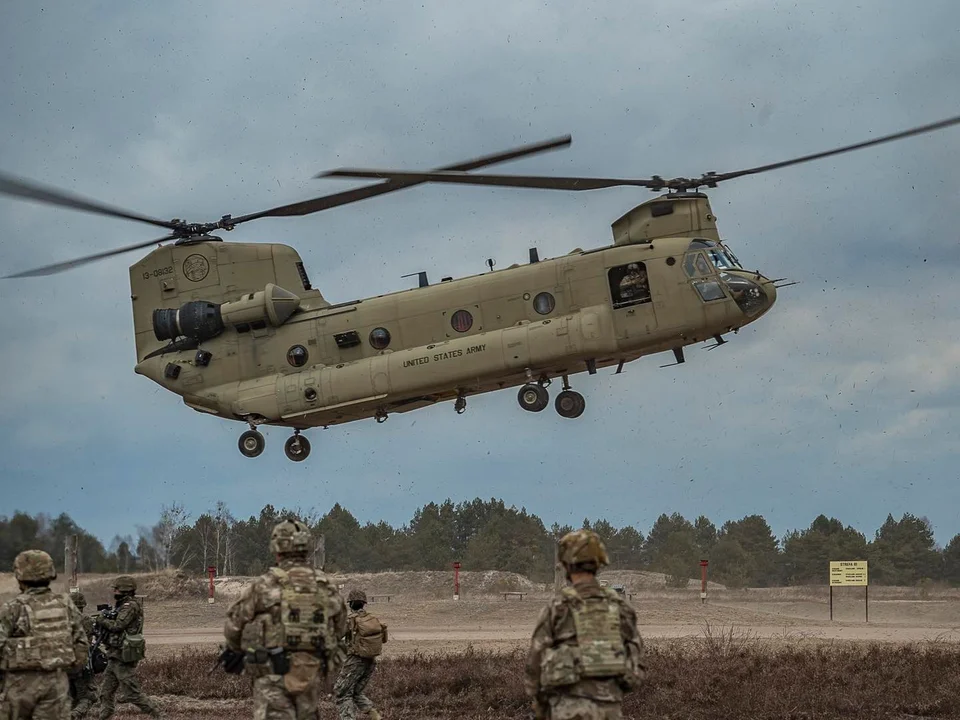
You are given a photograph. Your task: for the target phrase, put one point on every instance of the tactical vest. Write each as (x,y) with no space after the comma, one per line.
(598,650)
(47,643)
(302,625)
(367,636)
(602,650)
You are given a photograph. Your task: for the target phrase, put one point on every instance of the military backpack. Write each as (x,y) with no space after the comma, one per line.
(366,635)
(43,638)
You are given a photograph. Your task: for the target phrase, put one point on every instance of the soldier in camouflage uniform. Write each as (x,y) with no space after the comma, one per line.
(586,651)
(82,691)
(364,640)
(41,640)
(124,648)
(297,618)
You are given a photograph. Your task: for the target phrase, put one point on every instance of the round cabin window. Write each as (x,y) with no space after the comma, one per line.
(297,356)
(379,338)
(461,321)
(544,303)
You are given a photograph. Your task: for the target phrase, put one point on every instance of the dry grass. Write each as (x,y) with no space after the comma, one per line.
(720,674)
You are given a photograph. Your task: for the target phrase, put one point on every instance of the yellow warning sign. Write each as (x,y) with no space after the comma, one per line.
(848,572)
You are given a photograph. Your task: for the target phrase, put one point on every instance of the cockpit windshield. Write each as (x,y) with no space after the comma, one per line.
(720,255)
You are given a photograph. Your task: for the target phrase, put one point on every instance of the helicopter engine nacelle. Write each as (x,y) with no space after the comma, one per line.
(202,320)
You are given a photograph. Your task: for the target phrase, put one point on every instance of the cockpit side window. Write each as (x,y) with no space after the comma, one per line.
(694,264)
(629,284)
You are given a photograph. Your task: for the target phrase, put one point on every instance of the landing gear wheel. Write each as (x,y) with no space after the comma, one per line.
(570,404)
(251,443)
(533,397)
(296,448)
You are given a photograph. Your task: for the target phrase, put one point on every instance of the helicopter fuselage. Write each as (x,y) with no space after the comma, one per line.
(237,331)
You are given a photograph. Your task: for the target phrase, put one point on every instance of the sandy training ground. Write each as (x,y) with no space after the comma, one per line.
(424,617)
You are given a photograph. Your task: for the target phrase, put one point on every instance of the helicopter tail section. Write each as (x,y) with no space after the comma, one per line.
(192,290)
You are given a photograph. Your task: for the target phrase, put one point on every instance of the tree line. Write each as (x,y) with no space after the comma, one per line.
(489,535)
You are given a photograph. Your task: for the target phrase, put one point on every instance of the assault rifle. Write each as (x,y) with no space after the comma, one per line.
(96,659)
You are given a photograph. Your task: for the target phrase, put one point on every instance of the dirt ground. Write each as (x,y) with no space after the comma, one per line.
(423,616)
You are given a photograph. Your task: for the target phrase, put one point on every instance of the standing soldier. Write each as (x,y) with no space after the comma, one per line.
(41,640)
(298,617)
(586,651)
(81,682)
(365,638)
(125,648)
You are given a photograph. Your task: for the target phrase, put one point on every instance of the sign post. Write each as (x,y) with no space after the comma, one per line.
(211,571)
(850,573)
(456,581)
(703,581)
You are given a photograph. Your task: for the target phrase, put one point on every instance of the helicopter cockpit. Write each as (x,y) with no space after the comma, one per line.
(710,258)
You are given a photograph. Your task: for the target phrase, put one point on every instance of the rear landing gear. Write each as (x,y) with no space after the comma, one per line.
(251,443)
(297,447)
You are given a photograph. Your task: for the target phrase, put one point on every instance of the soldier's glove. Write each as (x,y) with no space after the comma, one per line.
(232,661)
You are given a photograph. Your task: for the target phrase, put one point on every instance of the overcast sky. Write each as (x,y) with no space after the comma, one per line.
(843,400)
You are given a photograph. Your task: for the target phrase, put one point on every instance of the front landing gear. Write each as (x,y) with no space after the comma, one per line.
(251,443)
(533,397)
(569,403)
(297,447)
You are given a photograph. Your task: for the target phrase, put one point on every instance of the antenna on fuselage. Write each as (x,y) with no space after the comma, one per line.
(422,275)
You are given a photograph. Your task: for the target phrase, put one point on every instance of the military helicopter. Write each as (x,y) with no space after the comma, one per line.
(238,330)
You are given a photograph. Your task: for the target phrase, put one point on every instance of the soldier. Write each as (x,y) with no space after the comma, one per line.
(586,651)
(298,618)
(364,639)
(41,640)
(125,648)
(634,286)
(81,683)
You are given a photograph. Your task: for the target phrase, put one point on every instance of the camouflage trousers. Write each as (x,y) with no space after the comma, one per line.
(568,707)
(38,695)
(123,677)
(82,693)
(271,701)
(352,681)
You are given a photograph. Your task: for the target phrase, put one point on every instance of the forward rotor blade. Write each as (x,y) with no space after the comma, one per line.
(584,183)
(18,187)
(346,197)
(69,264)
(713,178)
(521,181)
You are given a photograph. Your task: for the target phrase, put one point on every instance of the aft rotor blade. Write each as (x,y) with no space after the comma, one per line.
(70,264)
(713,178)
(521,181)
(346,197)
(18,187)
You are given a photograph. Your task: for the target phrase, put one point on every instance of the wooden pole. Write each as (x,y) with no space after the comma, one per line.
(866,604)
(831,603)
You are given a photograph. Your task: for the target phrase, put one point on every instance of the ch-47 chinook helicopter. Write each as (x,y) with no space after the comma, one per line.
(238,331)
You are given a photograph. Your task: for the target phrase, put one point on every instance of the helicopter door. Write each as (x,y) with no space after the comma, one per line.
(632,300)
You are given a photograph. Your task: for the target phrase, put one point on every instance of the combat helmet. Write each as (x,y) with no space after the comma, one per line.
(357,596)
(125,584)
(290,537)
(34,566)
(78,599)
(582,549)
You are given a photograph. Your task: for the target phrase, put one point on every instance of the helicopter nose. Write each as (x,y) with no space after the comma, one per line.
(753,293)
